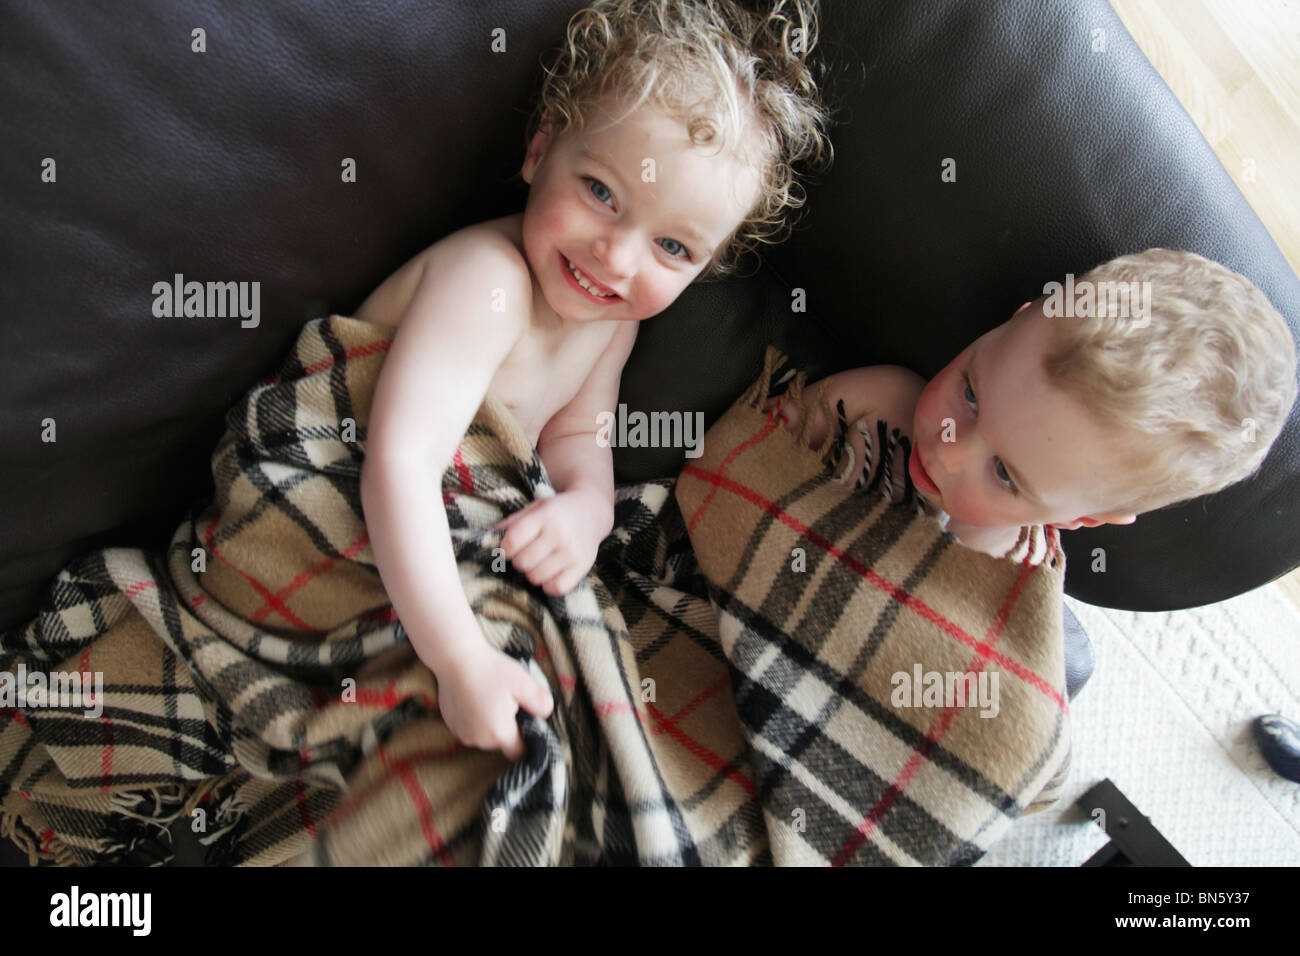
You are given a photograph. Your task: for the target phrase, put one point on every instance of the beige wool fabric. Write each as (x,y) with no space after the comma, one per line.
(258,685)
(827,594)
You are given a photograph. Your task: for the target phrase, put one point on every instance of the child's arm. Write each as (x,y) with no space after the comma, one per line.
(448,346)
(876,391)
(554,540)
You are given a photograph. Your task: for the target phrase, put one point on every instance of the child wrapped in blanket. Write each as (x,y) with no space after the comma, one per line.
(1072,420)
(663,149)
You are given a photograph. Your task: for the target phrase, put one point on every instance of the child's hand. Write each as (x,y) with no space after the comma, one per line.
(995,541)
(554,541)
(480,696)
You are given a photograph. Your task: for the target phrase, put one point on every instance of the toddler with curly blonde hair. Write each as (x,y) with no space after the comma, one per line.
(662,149)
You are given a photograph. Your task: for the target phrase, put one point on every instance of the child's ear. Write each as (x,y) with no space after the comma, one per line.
(1092,521)
(536,150)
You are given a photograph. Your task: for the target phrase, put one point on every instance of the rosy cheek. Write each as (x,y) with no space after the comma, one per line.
(656,295)
(566,213)
(674,289)
(538,228)
(925,420)
(966,507)
(556,202)
(983,507)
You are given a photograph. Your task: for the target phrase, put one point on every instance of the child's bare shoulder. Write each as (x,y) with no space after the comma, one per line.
(460,308)
(878,391)
(889,378)
(475,263)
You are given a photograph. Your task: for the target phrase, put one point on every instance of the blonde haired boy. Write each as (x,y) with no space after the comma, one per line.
(1078,417)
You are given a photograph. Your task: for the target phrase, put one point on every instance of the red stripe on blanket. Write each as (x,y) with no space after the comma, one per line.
(1054,539)
(83,665)
(350,551)
(106,758)
(463,473)
(281,607)
(358,799)
(423,807)
(609,707)
(769,429)
(897,592)
(139,586)
(701,697)
(389,699)
(938,730)
(705,755)
(357,351)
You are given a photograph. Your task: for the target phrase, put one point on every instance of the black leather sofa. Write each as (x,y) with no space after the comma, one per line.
(225,165)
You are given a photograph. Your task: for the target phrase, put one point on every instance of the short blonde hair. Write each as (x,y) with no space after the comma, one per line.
(718,67)
(1207,381)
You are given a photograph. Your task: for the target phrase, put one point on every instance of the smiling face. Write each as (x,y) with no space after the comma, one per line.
(637,245)
(1022,451)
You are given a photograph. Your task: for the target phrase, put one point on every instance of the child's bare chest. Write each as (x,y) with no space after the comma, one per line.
(543,373)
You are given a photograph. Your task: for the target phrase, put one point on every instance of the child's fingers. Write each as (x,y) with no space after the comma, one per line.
(514,516)
(533,697)
(514,519)
(527,560)
(566,580)
(550,566)
(521,535)
(512,744)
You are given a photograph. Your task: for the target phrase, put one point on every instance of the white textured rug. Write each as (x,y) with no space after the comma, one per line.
(1167,717)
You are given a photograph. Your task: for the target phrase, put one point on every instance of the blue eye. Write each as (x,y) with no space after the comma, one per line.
(680,247)
(969,395)
(1004,477)
(596,184)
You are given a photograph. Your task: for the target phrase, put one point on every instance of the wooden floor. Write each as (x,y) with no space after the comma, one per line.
(1235,66)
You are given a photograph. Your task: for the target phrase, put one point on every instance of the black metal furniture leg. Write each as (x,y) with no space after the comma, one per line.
(1134,841)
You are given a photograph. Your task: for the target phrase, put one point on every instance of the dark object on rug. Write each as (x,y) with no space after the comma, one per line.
(1279,742)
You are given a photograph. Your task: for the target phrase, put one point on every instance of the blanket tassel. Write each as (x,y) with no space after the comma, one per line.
(13,828)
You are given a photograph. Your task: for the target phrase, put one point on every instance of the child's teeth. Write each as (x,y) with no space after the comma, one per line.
(582,281)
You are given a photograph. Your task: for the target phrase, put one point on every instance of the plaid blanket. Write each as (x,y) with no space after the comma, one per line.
(257,686)
(903,697)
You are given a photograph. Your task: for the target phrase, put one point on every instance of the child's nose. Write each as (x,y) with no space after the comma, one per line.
(949,451)
(615,252)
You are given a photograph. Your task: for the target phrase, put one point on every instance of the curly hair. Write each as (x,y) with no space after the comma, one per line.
(1207,382)
(721,69)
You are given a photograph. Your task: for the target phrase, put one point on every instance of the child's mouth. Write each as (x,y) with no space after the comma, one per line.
(920,477)
(591,290)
